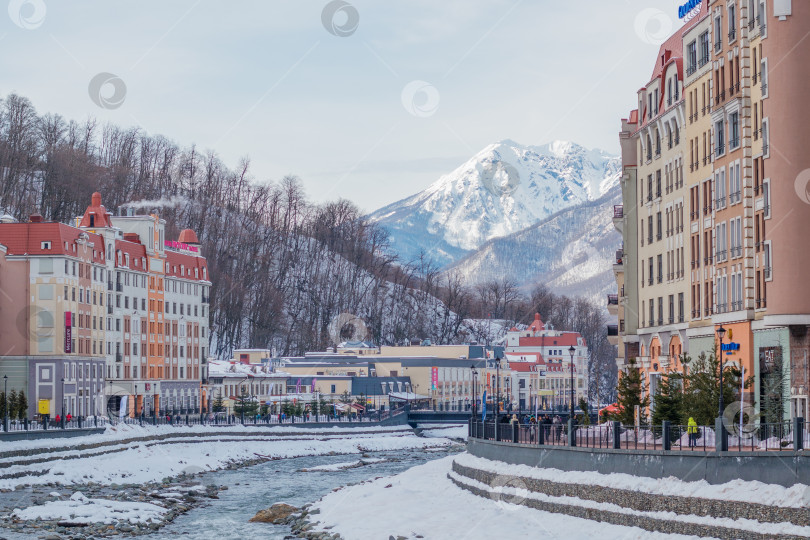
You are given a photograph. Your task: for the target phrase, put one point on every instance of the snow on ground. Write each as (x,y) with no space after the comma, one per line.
(510,492)
(451,431)
(141,462)
(429,505)
(128,431)
(737,490)
(79,509)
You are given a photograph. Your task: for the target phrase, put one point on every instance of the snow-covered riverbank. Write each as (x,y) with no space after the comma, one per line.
(428,505)
(146,461)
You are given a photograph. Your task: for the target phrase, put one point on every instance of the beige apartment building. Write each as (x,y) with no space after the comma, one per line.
(662,248)
(743,188)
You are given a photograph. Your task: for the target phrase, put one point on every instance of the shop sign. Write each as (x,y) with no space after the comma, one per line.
(68,333)
(686,9)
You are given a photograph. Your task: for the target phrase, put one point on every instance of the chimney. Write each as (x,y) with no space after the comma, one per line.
(130,211)
(35,218)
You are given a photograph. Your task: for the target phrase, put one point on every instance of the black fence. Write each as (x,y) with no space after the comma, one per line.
(204,419)
(790,435)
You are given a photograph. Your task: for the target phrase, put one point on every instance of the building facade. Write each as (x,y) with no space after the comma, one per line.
(108,315)
(739,204)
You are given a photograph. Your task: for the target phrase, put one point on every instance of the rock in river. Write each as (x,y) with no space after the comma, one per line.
(275,514)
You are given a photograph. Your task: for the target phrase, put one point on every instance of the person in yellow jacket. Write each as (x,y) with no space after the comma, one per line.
(692,430)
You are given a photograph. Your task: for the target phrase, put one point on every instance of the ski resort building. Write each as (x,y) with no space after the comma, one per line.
(715,192)
(108,316)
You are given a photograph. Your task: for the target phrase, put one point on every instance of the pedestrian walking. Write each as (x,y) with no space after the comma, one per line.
(557,428)
(692,431)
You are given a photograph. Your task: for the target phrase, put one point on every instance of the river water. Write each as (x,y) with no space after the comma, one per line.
(257,487)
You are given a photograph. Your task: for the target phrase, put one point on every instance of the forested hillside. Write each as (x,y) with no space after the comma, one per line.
(283,269)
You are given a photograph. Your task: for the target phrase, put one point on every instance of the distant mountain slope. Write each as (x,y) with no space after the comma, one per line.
(501,190)
(571,251)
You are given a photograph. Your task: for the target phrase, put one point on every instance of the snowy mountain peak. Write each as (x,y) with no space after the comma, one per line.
(504,188)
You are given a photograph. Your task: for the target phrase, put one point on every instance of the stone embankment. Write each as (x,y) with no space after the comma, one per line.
(668,514)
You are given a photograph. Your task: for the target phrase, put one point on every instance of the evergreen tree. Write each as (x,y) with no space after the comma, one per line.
(12,404)
(630,390)
(246,404)
(586,417)
(219,404)
(701,388)
(668,401)
(22,405)
(2,404)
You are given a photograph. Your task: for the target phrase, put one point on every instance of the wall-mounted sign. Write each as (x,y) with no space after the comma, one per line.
(434,377)
(686,9)
(68,332)
(730,347)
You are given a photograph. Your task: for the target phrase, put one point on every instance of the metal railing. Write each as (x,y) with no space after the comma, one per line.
(790,435)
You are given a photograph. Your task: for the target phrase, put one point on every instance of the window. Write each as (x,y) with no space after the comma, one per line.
(704,48)
(734,128)
(719,138)
(732,23)
(735,186)
(718,34)
(691,57)
(720,188)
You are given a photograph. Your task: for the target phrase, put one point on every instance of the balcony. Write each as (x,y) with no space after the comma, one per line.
(206,299)
(613,334)
(613,304)
(732,35)
(109,285)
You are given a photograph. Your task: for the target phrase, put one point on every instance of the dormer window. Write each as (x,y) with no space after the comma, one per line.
(45,245)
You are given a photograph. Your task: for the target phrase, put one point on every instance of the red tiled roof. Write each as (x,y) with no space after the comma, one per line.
(187,236)
(174,261)
(27,238)
(537,324)
(136,251)
(633,117)
(565,340)
(524,367)
(96,213)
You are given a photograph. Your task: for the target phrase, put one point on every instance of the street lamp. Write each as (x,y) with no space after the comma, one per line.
(474,389)
(721,333)
(5,399)
(63,402)
(498,389)
(571,351)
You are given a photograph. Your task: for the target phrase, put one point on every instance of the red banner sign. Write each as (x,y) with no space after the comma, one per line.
(434,377)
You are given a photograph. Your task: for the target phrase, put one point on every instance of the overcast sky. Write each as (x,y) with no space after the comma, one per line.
(367,100)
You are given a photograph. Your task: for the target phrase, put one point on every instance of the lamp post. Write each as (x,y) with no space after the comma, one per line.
(474,389)
(5,404)
(497,389)
(63,402)
(531,399)
(571,351)
(721,333)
